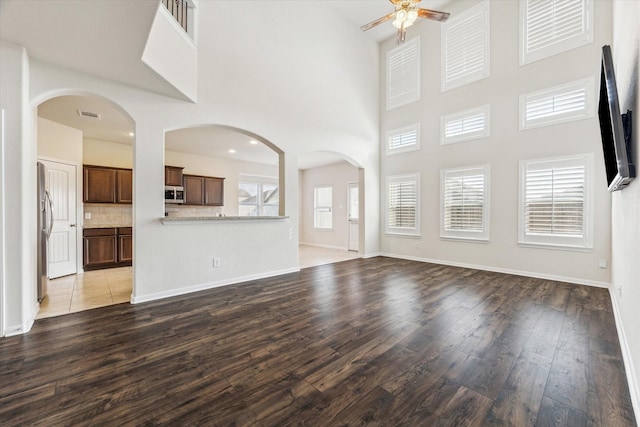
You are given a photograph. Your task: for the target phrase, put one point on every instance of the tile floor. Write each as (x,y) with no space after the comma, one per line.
(313,255)
(88,290)
(99,288)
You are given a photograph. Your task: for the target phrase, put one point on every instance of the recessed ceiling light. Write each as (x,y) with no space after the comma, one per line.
(130,133)
(231,150)
(253,142)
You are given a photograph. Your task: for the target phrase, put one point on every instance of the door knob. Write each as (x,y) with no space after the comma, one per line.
(72,225)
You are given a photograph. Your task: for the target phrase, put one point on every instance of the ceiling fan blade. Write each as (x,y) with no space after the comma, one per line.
(433,14)
(377,22)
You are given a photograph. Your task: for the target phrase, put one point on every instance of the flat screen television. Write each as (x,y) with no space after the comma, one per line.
(614,128)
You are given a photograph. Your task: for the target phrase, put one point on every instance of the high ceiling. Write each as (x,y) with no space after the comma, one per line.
(115,37)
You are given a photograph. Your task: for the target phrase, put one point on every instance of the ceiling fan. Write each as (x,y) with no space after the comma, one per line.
(405,15)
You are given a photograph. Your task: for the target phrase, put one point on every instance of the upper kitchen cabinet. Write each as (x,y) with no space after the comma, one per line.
(173,175)
(203,190)
(107,185)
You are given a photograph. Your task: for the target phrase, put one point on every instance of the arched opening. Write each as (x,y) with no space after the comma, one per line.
(330,208)
(85,161)
(222,171)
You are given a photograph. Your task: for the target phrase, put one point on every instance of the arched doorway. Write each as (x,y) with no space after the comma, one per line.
(85,148)
(330,206)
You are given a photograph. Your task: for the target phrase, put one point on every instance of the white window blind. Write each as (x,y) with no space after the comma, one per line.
(554,202)
(549,27)
(403,74)
(403,139)
(323,207)
(465,48)
(465,125)
(403,201)
(571,101)
(465,203)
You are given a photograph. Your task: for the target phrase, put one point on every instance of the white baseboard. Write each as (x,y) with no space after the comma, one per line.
(634,387)
(340,248)
(210,285)
(575,280)
(372,255)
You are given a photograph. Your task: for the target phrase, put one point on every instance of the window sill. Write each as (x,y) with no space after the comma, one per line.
(555,247)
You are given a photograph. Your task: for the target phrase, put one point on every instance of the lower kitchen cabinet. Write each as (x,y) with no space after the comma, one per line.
(107,247)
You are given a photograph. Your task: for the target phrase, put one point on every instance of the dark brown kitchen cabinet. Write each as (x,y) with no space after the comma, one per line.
(107,185)
(203,190)
(173,175)
(107,247)
(99,184)
(124,186)
(125,245)
(193,190)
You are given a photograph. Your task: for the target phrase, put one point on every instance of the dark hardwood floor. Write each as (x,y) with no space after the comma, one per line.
(378,341)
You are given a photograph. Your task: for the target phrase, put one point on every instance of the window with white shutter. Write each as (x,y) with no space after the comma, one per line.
(403,139)
(403,205)
(465,125)
(554,202)
(323,207)
(464,203)
(403,74)
(465,47)
(564,103)
(550,27)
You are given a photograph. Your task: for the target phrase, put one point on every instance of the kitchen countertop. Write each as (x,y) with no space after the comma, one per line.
(201,219)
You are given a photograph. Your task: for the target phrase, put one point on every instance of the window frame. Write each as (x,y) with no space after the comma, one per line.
(411,77)
(556,241)
(260,181)
(481,236)
(483,8)
(586,84)
(557,47)
(396,230)
(317,209)
(399,131)
(485,110)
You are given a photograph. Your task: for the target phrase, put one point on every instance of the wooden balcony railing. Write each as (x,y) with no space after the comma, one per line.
(179,9)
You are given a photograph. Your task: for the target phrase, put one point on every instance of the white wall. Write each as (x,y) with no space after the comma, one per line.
(502,150)
(626,203)
(60,142)
(19,207)
(338,176)
(288,90)
(106,153)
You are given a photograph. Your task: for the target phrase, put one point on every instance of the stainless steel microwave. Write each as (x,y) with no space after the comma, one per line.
(173,194)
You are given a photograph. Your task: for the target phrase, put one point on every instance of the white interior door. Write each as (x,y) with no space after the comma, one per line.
(354,222)
(61,247)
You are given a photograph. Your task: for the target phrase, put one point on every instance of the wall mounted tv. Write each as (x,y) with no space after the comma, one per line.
(614,128)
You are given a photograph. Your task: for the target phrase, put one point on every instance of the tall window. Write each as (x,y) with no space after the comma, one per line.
(549,27)
(323,207)
(464,203)
(554,202)
(465,47)
(258,196)
(403,74)
(403,205)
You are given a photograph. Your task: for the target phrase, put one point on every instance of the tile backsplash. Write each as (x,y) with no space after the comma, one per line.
(177,211)
(107,215)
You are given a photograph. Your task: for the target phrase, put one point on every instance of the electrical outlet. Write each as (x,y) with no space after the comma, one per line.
(87,215)
(416,244)
(620,290)
(602,263)
(216,262)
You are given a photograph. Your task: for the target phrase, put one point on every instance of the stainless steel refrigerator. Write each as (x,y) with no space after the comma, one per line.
(45,224)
